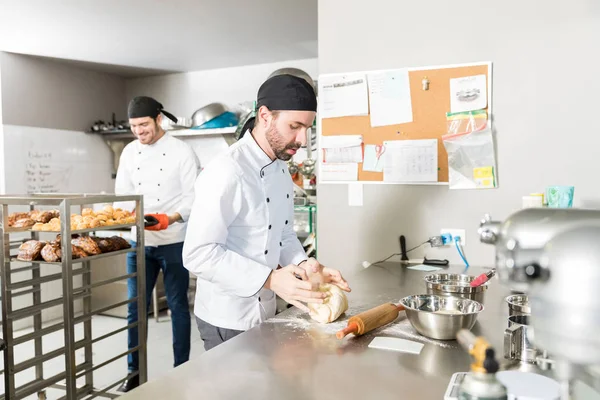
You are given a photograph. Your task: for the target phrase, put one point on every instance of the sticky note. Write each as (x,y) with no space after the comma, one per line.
(484,177)
(396,344)
(370,161)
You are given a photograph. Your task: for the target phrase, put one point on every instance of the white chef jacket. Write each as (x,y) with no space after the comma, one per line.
(164,173)
(240,229)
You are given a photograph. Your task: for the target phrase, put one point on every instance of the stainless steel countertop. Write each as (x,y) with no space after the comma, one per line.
(292,357)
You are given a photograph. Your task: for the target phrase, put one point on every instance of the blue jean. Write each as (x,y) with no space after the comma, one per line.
(176,278)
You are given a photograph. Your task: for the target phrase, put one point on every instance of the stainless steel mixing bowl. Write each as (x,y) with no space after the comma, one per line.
(455,285)
(440,317)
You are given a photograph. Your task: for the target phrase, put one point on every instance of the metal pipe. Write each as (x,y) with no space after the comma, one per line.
(24,292)
(67,286)
(38,334)
(87,325)
(84,317)
(37,323)
(7,326)
(83,342)
(38,360)
(36,386)
(141,291)
(105,282)
(33,310)
(43,279)
(25,269)
(105,363)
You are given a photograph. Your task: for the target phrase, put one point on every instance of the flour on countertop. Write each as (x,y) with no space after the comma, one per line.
(298,321)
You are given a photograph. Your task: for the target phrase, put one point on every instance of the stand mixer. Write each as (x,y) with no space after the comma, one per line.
(554,256)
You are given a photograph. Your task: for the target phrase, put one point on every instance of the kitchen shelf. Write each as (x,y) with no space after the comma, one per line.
(34,287)
(203,132)
(77,260)
(73,232)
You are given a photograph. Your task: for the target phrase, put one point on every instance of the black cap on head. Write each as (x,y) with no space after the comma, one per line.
(144,106)
(287,92)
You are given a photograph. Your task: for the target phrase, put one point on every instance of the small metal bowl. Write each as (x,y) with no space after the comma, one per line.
(440,317)
(518,304)
(455,285)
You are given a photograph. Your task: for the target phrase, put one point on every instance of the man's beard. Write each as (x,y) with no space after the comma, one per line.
(280,151)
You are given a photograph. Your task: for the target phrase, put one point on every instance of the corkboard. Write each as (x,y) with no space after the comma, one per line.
(429,109)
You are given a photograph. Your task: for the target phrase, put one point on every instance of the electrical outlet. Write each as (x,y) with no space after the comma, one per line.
(454,233)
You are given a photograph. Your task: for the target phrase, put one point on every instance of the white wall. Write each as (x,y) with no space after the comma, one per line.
(184,93)
(49,94)
(545,83)
(40,98)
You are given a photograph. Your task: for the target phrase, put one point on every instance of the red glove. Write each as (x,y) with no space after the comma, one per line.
(163,222)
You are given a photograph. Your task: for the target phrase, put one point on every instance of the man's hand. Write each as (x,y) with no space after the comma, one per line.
(175,218)
(318,273)
(286,284)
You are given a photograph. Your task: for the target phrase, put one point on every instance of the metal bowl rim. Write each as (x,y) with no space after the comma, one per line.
(404,299)
(433,282)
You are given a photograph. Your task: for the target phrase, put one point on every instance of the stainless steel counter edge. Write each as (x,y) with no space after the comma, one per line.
(292,357)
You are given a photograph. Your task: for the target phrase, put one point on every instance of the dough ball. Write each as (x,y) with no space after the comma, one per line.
(334,305)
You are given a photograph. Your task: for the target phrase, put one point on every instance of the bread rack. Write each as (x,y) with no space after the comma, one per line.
(74,374)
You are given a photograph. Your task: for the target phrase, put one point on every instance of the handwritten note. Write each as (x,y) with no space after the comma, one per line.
(411,161)
(43,174)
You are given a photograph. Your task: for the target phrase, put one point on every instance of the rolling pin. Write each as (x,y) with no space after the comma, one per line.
(371,319)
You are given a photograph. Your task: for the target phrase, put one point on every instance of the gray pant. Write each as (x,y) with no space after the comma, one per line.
(212,336)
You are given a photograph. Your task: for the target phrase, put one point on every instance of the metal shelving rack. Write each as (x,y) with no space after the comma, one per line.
(10,290)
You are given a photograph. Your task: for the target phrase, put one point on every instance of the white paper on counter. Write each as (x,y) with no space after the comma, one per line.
(411,161)
(342,96)
(342,149)
(355,194)
(339,172)
(396,344)
(468,93)
(422,267)
(389,98)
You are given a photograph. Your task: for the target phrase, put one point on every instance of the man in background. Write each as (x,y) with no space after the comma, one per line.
(163,169)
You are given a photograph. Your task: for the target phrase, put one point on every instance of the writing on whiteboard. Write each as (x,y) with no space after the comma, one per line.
(43,174)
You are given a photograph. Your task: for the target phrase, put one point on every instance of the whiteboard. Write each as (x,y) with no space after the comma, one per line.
(41,160)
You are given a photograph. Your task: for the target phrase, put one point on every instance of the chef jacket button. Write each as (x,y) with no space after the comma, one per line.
(269,226)
(159,184)
(280,244)
(282,170)
(139,183)
(268,200)
(139,152)
(164,154)
(138,168)
(266,251)
(286,221)
(288,196)
(161,169)
(158,199)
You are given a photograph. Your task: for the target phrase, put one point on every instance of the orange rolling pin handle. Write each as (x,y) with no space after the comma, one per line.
(351,328)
